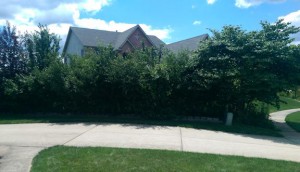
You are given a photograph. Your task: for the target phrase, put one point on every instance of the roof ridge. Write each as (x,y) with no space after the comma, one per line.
(131,28)
(189,38)
(94,29)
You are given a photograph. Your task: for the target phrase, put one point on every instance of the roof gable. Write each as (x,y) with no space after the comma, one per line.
(67,41)
(125,36)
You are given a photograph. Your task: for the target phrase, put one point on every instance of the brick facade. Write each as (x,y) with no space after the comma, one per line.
(136,41)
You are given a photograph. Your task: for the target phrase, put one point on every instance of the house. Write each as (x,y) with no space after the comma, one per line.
(79,39)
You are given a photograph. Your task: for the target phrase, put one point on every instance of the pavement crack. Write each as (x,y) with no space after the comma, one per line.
(181,143)
(80,135)
(31,146)
(23,146)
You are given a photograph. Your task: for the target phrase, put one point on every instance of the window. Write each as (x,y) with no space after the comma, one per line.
(82,52)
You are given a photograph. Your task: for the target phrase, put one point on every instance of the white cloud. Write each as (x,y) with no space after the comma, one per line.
(244,4)
(197,22)
(211,1)
(296,42)
(250,3)
(293,18)
(60,15)
(87,5)
(113,26)
(94,5)
(160,33)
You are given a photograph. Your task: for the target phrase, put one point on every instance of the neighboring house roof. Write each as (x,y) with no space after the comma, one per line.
(187,44)
(93,37)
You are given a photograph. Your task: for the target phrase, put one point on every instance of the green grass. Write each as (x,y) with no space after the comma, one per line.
(290,104)
(76,159)
(235,128)
(293,120)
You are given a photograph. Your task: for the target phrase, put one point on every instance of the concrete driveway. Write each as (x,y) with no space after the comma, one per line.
(19,143)
(278,119)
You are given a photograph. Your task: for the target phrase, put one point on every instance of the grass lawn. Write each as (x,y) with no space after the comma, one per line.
(235,128)
(290,104)
(293,120)
(75,159)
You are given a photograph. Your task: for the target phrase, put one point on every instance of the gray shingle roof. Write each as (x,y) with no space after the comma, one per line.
(187,44)
(155,40)
(93,37)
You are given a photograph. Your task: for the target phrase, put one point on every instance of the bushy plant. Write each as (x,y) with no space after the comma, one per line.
(230,72)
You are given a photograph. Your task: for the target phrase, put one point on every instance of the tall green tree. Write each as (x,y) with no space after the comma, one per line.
(239,67)
(295,50)
(42,47)
(12,56)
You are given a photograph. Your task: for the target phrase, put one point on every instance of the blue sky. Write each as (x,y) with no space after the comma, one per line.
(192,17)
(170,20)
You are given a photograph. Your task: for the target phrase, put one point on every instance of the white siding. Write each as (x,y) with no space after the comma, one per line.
(74,45)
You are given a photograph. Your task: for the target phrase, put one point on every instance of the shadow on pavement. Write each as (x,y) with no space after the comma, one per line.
(281,140)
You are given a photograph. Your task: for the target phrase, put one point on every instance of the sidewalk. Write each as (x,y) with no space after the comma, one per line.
(21,142)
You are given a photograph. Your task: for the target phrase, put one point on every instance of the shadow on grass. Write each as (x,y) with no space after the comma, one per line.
(294,125)
(243,131)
